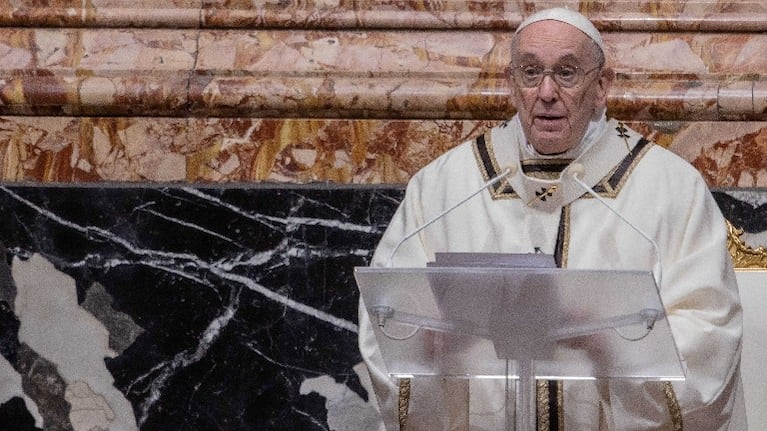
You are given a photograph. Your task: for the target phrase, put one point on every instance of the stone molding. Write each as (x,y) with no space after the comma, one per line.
(641,15)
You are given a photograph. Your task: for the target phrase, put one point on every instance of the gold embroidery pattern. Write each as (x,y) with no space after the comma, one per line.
(608,187)
(542,410)
(743,256)
(543,194)
(488,166)
(483,153)
(621,129)
(613,182)
(545,169)
(564,236)
(673,407)
(561,404)
(404,402)
(543,388)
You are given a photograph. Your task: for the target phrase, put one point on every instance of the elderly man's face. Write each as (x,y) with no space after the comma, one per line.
(555,118)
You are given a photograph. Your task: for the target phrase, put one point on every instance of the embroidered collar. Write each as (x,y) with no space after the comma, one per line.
(546,184)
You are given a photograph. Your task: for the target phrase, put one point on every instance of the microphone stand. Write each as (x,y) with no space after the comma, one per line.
(506,172)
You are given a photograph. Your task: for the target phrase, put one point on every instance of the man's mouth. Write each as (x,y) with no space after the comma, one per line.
(551,120)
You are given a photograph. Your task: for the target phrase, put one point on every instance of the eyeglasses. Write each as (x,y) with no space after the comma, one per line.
(529,75)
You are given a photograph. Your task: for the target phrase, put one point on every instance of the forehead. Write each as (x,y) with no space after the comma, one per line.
(551,41)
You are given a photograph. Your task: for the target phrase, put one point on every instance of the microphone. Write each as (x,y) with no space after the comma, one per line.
(510,170)
(575,170)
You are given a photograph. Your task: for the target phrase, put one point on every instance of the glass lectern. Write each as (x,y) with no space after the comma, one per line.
(519,324)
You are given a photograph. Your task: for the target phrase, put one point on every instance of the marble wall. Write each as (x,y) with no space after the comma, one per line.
(185,308)
(188,184)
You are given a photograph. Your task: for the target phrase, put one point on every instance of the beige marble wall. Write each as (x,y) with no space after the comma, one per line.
(347,91)
(77,150)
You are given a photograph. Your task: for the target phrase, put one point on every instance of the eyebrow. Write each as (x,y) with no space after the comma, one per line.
(567,58)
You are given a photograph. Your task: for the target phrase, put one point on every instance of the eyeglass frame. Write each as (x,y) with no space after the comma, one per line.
(552,73)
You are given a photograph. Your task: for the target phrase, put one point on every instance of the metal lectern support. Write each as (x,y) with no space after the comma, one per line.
(526,396)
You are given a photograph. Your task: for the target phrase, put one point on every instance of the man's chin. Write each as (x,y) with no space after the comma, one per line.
(548,144)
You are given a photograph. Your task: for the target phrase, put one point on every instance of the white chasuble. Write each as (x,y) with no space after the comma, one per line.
(541,208)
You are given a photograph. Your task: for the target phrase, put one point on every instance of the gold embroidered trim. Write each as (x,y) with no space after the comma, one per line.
(404,402)
(743,256)
(478,157)
(561,404)
(673,407)
(549,176)
(488,166)
(564,224)
(630,169)
(545,169)
(542,410)
(608,187)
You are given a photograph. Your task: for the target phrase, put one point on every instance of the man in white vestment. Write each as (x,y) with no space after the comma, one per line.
(558,137)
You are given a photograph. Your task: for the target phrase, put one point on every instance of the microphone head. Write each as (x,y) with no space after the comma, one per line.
(510,170)
(576,170)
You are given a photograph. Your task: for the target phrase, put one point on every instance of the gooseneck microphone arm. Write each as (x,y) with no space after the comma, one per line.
(577,170)
(506,172)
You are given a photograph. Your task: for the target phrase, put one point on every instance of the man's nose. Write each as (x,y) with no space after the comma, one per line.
(547,89)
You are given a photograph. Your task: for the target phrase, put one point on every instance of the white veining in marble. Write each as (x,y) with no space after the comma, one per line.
(290,303)
(167,261)
(166,370)
(753,197)
(226,275)
(192,226)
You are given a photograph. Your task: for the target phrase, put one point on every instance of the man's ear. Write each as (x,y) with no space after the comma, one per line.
(604,83)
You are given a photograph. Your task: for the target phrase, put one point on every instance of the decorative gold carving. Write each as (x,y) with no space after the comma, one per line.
(743,256)
(404,402)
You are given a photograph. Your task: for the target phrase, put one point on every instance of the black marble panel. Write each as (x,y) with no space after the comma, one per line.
(219,302)
(746,209)
(221,308)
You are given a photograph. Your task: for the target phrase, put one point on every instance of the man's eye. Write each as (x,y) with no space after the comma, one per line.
(531,71)
(567,72)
